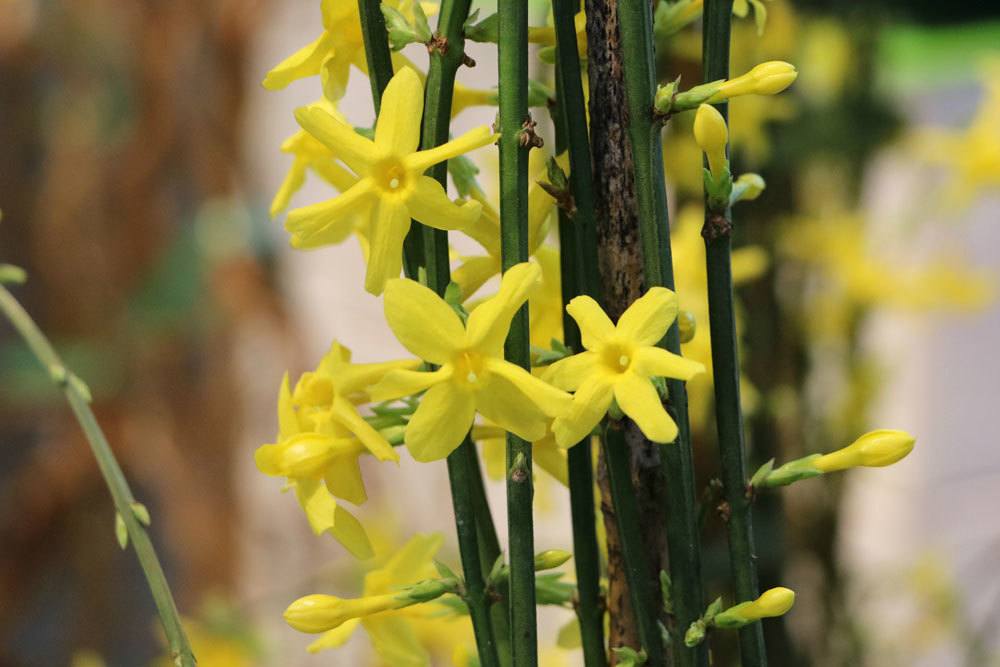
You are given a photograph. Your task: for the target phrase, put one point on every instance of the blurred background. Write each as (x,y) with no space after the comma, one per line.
(138,158)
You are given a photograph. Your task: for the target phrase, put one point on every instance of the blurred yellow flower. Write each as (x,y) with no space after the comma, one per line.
(473,375)
(618,364)
(392,188)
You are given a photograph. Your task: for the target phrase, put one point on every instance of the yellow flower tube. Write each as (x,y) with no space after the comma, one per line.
(874,450)
(767,78)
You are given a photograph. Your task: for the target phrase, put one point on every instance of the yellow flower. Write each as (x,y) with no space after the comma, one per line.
(768,78)
(393,627)
(321,436)
(773,602)
(619,363)
(392,188)
(320,613)
(473,375)
(309,153)
(711,134)
(875,449)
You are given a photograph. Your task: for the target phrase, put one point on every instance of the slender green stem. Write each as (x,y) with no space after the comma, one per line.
(466,527)
(380,71)
(572,127)
(513,70)
(683,537)
(121,494)
(463,464)
(725,362)
(616,455)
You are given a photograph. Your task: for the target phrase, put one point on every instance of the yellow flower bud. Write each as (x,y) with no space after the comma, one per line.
(546,560)
(875,449)
(771,603)
(711,134)
(318,613)
(767,78)
(751,184)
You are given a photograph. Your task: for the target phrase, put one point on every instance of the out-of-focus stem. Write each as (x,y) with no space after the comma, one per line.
(115,480)
(725,361)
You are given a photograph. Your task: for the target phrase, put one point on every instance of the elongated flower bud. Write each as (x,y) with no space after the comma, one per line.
(318,613)
(773,602)
(711,134)
(875,449)
(546,560)
(767,78)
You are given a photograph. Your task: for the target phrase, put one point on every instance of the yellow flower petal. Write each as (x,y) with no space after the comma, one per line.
(654,361)
(390,222)
(350,533)
(335,73)
(346,144)
(637,397)
(471,140)
(303,63)
(488,324)
(397,130)
(571,372)
(429,204)
(422,321)
(344,412)
(357,378)
(440,423)
(590,404)
(330,221)
(407,564)
(344,480)
(268,459)
(396,641)
(550,458)
(504,404)
(293,180)
(550,400)
(595,326)
(646,321)
(317,502)
(335,638)
(288,422)
(473,273)
(398,384)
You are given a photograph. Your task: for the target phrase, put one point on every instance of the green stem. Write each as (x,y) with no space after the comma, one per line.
(725,362)
(683,539)
(575,236)
(121,494)
(380,71)
(616,455)
(468,546)
(463,463)
(513,77)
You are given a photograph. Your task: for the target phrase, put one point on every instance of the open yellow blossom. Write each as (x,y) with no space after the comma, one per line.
(472,375)
(391,188)
(619,364)
(321,435)
(393,626)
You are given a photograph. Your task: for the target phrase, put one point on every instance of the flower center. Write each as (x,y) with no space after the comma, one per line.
(469,370)
(390,176)
(617,357)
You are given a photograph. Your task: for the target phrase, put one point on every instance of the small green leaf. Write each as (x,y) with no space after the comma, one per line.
(444,571)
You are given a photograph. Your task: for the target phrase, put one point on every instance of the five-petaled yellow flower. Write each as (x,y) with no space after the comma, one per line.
(391,188)
(619,363)
(321,435)
(472,375)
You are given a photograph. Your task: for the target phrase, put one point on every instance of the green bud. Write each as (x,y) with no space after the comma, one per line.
(629,657)
(664,99)
(546,560)
(12,275)
(400,31)
(141,513)
(718,189)
(686,325)
(121,531)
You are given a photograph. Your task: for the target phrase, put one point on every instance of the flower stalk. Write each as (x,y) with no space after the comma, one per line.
(577,258)
(725,359)
(683,540)
(78,397)
(515,140)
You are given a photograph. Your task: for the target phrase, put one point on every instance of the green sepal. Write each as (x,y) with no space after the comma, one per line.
(402,32)
(718,189)
(791,472)
(487,30)
(629,657)
(463,173)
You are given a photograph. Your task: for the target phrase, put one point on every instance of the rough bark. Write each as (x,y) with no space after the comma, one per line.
(621,268)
